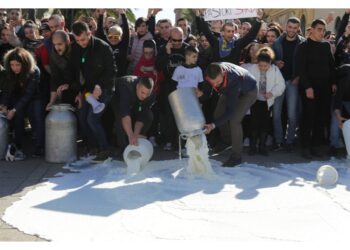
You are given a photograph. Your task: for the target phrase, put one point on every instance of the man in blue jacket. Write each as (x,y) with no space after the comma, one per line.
(237,93)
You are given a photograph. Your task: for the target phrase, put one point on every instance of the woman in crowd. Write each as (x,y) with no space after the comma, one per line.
(24,99)
(270,85)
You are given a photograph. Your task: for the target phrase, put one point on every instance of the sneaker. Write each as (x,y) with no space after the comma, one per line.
(246,142)
(277,147)
(232,162)
(184,153)
(10,153)
(305,153)
(263,151)
(152,139)
(93,151)
(252,151)
(289,148)
(19,155)
(219,148)
(39,152)
(316,153)
(102,155)
(168,146)
(333,151)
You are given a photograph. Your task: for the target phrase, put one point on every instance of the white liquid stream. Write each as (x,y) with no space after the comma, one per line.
(198,162)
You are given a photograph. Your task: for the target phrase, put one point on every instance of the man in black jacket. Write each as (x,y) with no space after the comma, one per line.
(60,82)
(132,105)
(315,66)
(93,71)
(170,56)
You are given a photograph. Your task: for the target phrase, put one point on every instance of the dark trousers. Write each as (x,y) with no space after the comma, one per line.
(259,123)
(35,111)
(315,117)
(146,118)
(233,128)
(167,120)
(91,125)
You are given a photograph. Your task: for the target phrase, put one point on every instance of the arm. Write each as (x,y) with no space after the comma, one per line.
(206,91)
(151,22)
(280,85)
(301,62)
(126,33)
(204,26)
(100,32)
(331,62)
(162,59)
(14,39)
(342,26)
(232,98)
(30,91)
(106,78)
(249,37)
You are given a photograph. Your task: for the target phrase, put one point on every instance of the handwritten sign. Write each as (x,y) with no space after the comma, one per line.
(222,14)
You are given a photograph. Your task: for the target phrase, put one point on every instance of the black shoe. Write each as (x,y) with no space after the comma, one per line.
(277,147)
(333,151)
(39,152)
(252,151)
(219,148)
(102,156)
(316,153)
(305,153)
(289,148)
(263,151)
(232,162)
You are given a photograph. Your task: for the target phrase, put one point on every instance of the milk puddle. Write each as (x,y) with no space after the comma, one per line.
(198,162)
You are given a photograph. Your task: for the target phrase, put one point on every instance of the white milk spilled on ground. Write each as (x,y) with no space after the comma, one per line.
(198,162)
(133,162)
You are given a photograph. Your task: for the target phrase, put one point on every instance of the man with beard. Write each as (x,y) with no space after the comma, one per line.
(170,56)
(60,84)
(93,70)
(284,48)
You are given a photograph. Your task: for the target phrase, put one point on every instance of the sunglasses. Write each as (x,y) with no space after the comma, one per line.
(113,36)
(3,14)
(176,40)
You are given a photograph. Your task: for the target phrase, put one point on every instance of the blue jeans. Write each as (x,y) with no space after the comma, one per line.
(335,130)
(292,96)
(91,125)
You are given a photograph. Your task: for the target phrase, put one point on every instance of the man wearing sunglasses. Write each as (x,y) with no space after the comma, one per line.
(170,56)
(237,93)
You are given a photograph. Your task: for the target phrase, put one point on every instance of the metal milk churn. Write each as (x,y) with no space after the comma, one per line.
(3,135)
(61,134)
(187,112)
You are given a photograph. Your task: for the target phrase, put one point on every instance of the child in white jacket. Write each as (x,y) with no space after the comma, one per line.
(271,84)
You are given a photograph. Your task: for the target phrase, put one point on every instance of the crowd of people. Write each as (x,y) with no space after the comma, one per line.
(254,80)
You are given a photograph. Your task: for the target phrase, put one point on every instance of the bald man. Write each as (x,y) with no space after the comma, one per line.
(170,56)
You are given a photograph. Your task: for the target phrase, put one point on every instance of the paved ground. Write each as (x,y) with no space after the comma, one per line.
(17,178)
